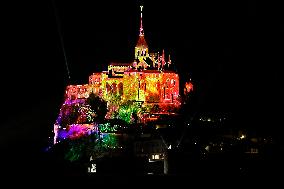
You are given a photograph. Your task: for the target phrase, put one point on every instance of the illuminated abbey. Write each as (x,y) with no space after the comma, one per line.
(149,82)
(148,78)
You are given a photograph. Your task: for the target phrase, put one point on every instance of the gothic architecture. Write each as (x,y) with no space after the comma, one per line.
(144,89)
(149,78)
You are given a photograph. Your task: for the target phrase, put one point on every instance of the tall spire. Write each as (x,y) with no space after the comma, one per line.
(141,48)
(141,25)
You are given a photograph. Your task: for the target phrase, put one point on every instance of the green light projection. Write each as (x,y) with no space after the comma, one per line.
(95,145)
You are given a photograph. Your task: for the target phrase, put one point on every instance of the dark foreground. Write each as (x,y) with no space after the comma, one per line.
(34,163)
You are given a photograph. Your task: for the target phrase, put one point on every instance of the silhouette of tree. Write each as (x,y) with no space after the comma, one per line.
(98,106)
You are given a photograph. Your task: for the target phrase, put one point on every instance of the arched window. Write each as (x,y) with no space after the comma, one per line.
(113,89)
(120,88)
(108,88)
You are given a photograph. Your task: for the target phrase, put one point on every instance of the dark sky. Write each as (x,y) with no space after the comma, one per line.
(226,47)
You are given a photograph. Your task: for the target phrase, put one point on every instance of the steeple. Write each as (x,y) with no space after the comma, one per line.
(141,25)
(141,49)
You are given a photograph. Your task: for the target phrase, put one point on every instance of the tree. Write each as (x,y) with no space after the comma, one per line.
(128,111)
(98,106)
(68,115)
(84,147)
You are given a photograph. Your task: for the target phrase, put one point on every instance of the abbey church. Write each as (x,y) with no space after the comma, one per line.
(148,79)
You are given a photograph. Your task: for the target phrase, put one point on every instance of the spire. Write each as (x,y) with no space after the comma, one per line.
(163,58)
(141,48)
(141,41)
(141,25)
(169,61)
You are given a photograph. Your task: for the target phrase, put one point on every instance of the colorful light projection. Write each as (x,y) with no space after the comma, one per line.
(132,91)
(108,128)
(151,87)
(75,111)
(75,120)
(76,131)
(188,87)
(109,140)
(128,111)
(94,145)
(146,79)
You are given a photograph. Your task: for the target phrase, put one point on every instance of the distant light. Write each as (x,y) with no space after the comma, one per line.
(207,148)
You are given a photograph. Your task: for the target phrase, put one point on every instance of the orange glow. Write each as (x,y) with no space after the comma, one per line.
(188,87)
(149,80)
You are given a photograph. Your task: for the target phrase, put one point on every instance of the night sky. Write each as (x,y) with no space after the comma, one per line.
(227,49)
